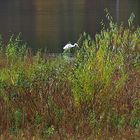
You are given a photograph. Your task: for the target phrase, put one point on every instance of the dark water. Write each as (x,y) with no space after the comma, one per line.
(52,23)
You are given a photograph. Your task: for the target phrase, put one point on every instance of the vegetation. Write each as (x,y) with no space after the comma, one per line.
(94,96)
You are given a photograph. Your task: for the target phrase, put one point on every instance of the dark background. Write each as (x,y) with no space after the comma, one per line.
(52,23)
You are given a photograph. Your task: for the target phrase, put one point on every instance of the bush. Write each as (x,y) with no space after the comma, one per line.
(93,96)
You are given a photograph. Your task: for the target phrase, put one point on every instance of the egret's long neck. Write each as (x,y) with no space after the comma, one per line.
(75,44)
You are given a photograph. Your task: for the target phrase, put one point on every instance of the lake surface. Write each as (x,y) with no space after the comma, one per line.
(53,23)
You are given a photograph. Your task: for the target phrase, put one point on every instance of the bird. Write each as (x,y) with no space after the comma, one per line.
(69,45)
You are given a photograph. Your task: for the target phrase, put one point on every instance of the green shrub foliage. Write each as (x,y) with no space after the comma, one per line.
(95,93)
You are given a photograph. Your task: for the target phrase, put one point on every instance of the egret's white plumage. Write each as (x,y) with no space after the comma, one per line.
(69,45)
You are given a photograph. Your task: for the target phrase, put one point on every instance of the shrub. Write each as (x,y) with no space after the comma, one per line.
(93,96)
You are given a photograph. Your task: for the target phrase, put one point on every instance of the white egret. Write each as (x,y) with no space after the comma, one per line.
(67,54)
(69,45)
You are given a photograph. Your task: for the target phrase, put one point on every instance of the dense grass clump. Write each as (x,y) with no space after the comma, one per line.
(96,95)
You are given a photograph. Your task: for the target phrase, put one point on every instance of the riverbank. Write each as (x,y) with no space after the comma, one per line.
(95,96)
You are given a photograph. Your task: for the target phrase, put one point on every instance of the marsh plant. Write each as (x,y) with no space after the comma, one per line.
(94,96)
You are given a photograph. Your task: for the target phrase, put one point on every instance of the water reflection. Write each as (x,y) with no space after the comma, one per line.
(52,23)
(117,10)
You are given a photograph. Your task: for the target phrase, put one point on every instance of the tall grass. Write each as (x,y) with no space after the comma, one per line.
(94,96)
